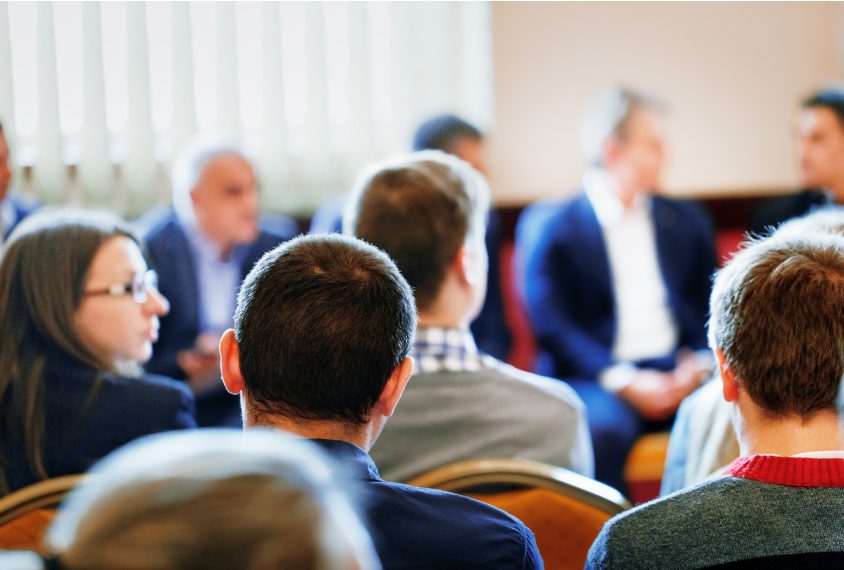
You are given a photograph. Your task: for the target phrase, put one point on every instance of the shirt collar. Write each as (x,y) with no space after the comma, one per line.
(446,349)
(358,462)
(600,190)
(792,471)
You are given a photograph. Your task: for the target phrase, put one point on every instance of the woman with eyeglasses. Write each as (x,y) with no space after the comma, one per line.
(78,315)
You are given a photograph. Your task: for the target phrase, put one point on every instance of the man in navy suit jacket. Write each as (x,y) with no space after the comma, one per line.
(617,280)
(320,345)
(202,252)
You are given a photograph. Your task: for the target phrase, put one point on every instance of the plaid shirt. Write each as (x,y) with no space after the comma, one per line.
(438,349)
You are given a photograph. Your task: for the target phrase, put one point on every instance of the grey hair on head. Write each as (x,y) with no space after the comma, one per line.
(606,118)
(193,157)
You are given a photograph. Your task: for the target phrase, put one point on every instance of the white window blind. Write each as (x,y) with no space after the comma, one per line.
(96,98)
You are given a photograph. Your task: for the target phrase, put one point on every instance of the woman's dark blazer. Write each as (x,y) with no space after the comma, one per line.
(88,414)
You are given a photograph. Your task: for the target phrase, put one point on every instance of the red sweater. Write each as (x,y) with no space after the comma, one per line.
(793,471)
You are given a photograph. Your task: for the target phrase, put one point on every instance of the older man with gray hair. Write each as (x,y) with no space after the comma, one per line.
(616,281)
(202,251)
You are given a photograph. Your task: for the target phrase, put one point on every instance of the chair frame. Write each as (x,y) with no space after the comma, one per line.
(44,494)
(530,473)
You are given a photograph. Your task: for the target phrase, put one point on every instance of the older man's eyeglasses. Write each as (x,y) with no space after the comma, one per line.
(139,287)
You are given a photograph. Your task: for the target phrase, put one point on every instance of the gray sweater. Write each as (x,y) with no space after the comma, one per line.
(499,412)
(745,521)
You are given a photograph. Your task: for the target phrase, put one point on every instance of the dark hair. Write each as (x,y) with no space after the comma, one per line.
(321,323)
(441,133)
(831,99)
(778,315)
(42,283)
(420,209)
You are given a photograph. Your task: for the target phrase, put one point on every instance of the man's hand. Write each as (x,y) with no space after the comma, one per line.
(202,363)
(657,395)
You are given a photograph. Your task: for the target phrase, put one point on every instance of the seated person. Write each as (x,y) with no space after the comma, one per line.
(455,136)
(820,156)
(703,442)
(78,313)
(616,282)
(13,207)
(202,252)
(427,212)
(212,500)
(323,328)
(781,504)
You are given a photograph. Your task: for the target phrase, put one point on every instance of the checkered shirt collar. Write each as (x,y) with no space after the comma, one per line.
(440,349)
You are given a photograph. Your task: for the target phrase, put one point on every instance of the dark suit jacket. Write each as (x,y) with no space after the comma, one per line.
(565,273)
(413,527)
(168,252)
(774,211)
(89,414)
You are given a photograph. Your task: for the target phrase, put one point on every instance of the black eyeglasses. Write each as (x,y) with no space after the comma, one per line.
(139,287)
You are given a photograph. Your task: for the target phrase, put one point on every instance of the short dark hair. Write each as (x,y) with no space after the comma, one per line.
(321,323)
(777,313)
(832,99)
(442,132)
(419,208)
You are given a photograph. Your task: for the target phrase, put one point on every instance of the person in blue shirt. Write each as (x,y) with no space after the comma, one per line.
(202,251)
(320,345)
(79,312)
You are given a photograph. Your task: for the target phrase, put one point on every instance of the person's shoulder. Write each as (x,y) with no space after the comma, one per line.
(453,523)
(24,204)
(157,396)
(158,225)
(551,219)
(686,515)
(547,391)
(277,227)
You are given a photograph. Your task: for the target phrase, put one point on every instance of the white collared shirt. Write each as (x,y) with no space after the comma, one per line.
(645,327)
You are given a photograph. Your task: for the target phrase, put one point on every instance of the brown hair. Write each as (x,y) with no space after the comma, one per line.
(778,315)
(420,209)
(42,282)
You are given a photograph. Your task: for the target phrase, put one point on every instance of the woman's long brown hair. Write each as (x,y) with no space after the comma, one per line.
(42,283)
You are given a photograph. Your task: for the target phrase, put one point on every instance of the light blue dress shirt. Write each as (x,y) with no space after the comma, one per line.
(218,280)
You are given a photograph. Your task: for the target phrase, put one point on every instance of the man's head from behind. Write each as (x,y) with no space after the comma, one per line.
(777,323)
(428,211)
(820,139)
(323,323)
(214,185)
(452,135)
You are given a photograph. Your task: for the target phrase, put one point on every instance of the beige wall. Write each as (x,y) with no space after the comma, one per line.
(733,74)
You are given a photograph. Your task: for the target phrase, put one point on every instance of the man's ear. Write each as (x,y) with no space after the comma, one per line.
(230,363)
(395,386)
(465,265)
(727,377)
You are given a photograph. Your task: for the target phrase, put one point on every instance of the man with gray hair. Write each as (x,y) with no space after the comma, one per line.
(202,251)
(777,331)
(427,211)
(616,281)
